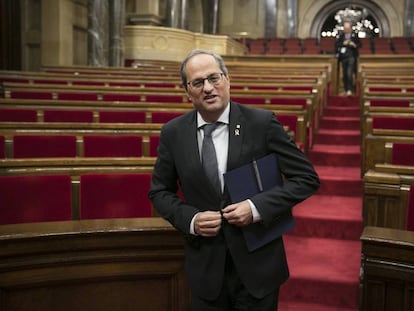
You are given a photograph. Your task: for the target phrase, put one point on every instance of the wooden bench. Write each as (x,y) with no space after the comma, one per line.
(386,191)
(51,194)
(153,112)
(388,105)
(75,133)
(93,265)
(238,82)
(398,127)
(387,269)
(375,146)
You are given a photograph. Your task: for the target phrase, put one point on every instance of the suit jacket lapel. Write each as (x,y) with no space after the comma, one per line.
(236,133)
(189,136)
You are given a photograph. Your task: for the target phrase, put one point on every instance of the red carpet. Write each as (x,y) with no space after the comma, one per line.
(324,249)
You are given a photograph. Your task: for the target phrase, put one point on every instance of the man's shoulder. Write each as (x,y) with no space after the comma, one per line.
(251,113)
(251,109)
(181,120)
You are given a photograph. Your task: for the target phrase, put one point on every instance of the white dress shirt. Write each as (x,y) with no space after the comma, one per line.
(220,138)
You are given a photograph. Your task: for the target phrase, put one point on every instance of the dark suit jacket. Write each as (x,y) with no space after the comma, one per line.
(350,51)
(263,270)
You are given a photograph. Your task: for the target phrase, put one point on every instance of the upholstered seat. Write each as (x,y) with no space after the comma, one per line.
(114,196)
(35,198)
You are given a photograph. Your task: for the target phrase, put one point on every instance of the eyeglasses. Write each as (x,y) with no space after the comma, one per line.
(214,79)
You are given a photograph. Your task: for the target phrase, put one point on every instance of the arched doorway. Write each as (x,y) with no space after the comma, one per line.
(325,16)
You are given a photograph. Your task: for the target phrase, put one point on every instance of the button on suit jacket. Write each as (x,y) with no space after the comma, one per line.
(178,163)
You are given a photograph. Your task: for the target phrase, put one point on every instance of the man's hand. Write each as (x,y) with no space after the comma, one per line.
(207,223)
(239,214)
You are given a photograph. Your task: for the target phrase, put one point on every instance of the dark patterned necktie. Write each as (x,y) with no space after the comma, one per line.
(208,156)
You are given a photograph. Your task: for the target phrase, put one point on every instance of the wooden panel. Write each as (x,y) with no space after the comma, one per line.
(387,270)
(385,199)
(117,264)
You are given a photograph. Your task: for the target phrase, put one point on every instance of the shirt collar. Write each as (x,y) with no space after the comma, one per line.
(224,117)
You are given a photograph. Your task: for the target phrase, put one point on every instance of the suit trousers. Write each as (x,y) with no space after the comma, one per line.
(348,69)
(234,295)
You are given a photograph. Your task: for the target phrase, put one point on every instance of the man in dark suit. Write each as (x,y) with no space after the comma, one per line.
(346,45)
(223,274)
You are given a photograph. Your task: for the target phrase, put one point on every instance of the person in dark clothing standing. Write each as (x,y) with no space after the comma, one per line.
(223,273)
(346,46)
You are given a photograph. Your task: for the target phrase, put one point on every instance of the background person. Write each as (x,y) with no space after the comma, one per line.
(346,45)
(223,274)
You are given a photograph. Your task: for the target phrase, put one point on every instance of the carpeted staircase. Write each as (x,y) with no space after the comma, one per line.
(324,249)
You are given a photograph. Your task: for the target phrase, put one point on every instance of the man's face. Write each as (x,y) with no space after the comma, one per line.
(347,27)
(209,98)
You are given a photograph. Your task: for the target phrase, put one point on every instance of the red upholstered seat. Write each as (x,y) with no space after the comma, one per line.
(18,115)
(124,83)
(164,116)
(83,82)
(154,141)
(122,116)
(160,85)
(31,95)
(115,196)
(289,120)
(249,100)
(289,101)
(298,88)
(2,147)
(14,80)
(41,146)
(410,210)
(68,116)
(35,199)
(122,97)
(402,154)
(384,89)
(389,103)
(393,123)
(50,81)
(77,96)
(112,146)
(159,98)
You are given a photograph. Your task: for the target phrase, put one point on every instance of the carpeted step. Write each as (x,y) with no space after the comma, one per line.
(347,101)
(340,172)
(327,216)
(341,111)
(338,137)
(322,271)
(335,155)
(340,123)
(302,306)
(340,180)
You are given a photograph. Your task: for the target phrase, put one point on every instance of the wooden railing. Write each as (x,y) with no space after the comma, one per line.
(117,264)
(387,270)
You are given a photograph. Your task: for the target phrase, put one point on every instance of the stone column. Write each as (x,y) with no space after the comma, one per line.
(210,16)
(116,25)
(292,13)
(409,18)
(97,32)
(183,15)
(173,13)
(271,17)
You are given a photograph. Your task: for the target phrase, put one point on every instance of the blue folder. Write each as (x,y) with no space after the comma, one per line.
(243,183)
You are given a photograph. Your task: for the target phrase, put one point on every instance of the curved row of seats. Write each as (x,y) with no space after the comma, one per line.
(326,45)
(102,151)
(387,130)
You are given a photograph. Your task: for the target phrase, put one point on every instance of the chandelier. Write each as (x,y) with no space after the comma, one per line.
(359,18)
